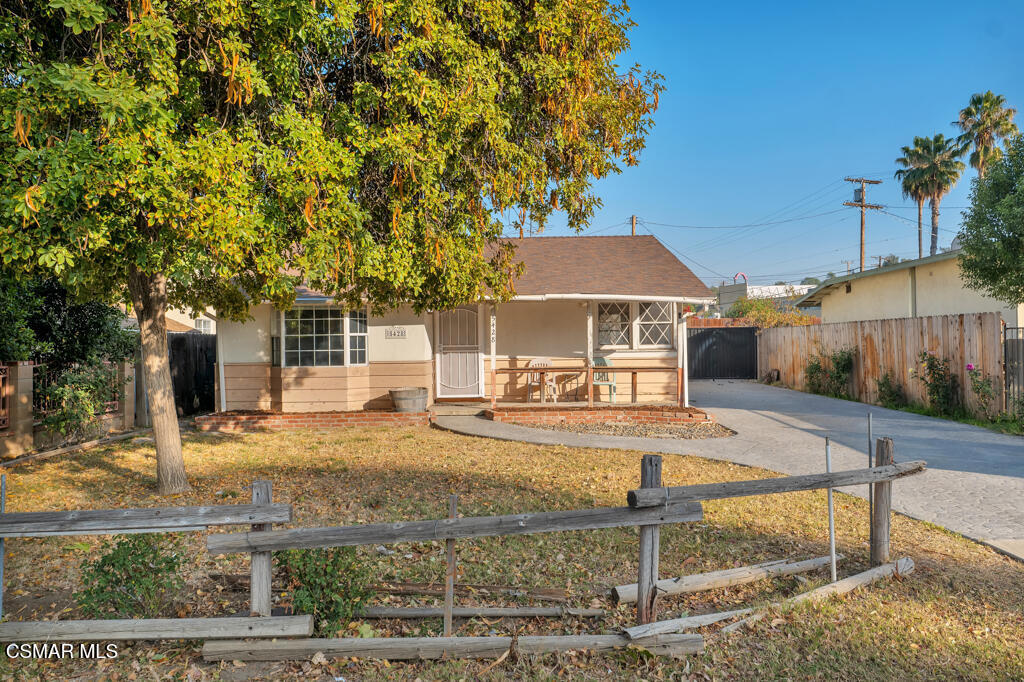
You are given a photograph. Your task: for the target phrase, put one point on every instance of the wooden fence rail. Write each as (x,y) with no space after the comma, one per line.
(154,520)
(652,497)
(261,514)
(444,529)
(891,346)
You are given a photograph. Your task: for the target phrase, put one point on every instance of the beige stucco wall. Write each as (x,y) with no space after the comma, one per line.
(415,347)
(882,296)
(541,328)
(929,289)
(247,341)
(941,291)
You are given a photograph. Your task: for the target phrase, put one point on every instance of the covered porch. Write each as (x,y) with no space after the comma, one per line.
(566,350)
(622,336)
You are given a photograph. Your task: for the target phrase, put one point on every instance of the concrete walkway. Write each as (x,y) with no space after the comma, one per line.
(974,484)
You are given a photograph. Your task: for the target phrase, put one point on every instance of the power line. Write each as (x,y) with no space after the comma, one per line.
(740,227)
(914,222)
(678,253)
(813,206)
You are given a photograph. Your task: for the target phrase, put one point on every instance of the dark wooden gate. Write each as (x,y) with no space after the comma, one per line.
(1013,361)
(192,358)
(722,352)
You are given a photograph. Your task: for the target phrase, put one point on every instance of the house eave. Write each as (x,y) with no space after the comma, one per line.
(814,297)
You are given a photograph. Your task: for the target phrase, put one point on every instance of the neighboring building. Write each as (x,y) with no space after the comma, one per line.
(580,298)
(913,288)
(184,320)
(783,294)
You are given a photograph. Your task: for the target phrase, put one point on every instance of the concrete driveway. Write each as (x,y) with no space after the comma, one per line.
(974,484)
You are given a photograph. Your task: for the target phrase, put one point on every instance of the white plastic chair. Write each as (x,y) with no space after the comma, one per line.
(533,379)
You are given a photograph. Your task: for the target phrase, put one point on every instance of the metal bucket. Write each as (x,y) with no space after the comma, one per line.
(409,399)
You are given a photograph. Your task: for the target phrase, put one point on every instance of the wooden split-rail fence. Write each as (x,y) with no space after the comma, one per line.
(648,507)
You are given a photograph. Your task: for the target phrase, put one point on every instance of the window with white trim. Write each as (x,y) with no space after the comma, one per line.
(319,337)
(654,323)
(642,325)
(613,325)
(204,325)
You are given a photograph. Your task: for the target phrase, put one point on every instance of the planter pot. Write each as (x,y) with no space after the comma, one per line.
(412,399)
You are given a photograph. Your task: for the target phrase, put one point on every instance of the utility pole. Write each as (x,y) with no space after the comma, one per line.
(848,264)
(633,221)
(860,200)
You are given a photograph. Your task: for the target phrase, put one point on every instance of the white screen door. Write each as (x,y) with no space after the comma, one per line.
(459,373)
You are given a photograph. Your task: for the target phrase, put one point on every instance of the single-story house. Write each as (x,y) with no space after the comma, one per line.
(912,288)
(184,321)
(620,298)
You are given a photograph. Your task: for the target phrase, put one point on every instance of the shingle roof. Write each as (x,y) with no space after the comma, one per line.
(175,326)
(613,265)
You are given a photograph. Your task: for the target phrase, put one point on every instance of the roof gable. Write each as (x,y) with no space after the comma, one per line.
(613,266)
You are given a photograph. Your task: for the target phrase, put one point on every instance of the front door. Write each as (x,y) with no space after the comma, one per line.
(459,345)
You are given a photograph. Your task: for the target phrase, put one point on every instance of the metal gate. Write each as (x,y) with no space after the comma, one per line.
(460,371)
(1013,361)
(722,352)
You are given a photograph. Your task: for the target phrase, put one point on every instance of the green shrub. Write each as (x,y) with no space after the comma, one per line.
(78,397)
(983,386)
(940,384)
(329,584)
(890,392)
(137,576)
(830,375)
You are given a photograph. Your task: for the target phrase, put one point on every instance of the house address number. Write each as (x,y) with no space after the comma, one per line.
(394,332)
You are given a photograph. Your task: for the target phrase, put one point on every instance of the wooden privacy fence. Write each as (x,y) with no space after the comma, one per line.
(894,346)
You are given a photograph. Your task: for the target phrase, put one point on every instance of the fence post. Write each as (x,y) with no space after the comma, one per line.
(260,564)
(20,437)
(449,580)
(880,513)
(650,541)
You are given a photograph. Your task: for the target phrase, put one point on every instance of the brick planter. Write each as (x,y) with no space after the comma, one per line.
(630,414)
(275,421)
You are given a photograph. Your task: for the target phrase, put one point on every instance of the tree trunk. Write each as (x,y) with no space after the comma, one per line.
(149,294)
(935,225)
(920,229)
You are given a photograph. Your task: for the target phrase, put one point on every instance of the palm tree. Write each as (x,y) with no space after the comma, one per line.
(933,166)
(985,121)
(912,186)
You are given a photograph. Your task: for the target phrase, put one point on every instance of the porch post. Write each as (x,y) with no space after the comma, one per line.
(590,354)
(682,364)
(494,358)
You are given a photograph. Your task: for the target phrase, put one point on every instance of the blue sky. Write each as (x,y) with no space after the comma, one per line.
(769,105)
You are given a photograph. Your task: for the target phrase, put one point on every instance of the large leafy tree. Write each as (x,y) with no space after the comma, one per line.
(913,186)
(992,236)
(985,121)
(192,154)
(932,166)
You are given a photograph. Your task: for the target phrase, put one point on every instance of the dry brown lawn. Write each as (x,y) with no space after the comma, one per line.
(959,616)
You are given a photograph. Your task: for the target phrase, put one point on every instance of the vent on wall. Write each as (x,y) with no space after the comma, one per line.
(849,287)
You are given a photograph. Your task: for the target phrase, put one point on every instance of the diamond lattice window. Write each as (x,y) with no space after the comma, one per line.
(654,322)
(613,327)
